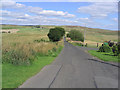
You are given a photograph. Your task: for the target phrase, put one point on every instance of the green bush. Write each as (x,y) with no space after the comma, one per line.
(68,35)
(41,40)
(104,48)
(116,49)
(111,44)
(119,47)
(55,34)
(37,26)
(16,58)
(76,35)
(54,52)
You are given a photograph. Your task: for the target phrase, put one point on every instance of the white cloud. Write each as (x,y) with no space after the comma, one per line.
(67,0)
(35,10)
(99,10)
(10,14)
(11,4)
(52,17)
(115,19)
(52,13)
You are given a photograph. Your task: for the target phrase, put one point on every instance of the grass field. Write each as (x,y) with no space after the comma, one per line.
(94,35)
(25,53)
(104,56)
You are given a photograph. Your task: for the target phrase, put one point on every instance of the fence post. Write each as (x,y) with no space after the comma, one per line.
(86,45)
(97,44)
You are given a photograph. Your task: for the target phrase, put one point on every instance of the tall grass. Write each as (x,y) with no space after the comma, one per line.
(21,48)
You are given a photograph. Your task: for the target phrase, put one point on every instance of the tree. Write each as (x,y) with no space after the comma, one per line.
(76,35)
(55,34)
(37,26)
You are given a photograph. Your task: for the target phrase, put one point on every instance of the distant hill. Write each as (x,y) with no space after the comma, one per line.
(91,34)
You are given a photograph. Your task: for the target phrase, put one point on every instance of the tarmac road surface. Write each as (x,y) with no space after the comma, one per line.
(74,68)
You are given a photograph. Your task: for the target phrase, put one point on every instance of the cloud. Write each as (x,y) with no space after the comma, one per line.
(35,10)
(10,17)
(9,14)
(115,19)
(37,15)
(11,4)
(67,0)
(54,13)
(99,9)
(35,20)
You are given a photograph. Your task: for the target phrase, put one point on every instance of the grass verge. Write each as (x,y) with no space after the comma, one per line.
(14,75)
(104,56)
(81,45)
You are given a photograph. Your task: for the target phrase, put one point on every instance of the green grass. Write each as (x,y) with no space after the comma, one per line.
(90,46)
(13,76)
(104,56)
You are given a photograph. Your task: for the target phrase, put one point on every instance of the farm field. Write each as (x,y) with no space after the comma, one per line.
(94,35)
(25,51)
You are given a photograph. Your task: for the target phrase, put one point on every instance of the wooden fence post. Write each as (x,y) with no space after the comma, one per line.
(97,45)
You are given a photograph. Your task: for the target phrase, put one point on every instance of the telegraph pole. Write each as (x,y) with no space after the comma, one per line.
(84,34)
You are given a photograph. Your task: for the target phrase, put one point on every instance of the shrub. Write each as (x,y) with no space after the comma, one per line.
(76,35)
(104,48)
(116,49)
(17,58)
(68,35)
(9,32)
(119,47)
(55,34)
(41,40)
(52,52)
(111,44)
(37,26)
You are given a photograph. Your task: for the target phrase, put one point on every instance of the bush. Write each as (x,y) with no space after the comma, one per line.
(41,40)
(68,35)
(55,34)
(76,35)
(111,44)
(17,58)
(119,47)
(37,26)
(116,49)
(104,48)
(54,52)
(9,32)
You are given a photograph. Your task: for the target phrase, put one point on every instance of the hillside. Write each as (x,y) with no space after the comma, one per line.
(93,35)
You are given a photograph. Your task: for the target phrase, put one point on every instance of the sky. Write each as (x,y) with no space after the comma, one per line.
(103,15)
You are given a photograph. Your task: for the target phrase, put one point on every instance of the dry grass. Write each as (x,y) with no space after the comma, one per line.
(10,30)
(22,46)
(94,36)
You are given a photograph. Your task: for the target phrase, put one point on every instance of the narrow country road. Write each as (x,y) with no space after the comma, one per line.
(74,68)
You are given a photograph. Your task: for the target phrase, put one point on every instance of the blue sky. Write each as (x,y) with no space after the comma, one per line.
(91,14)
